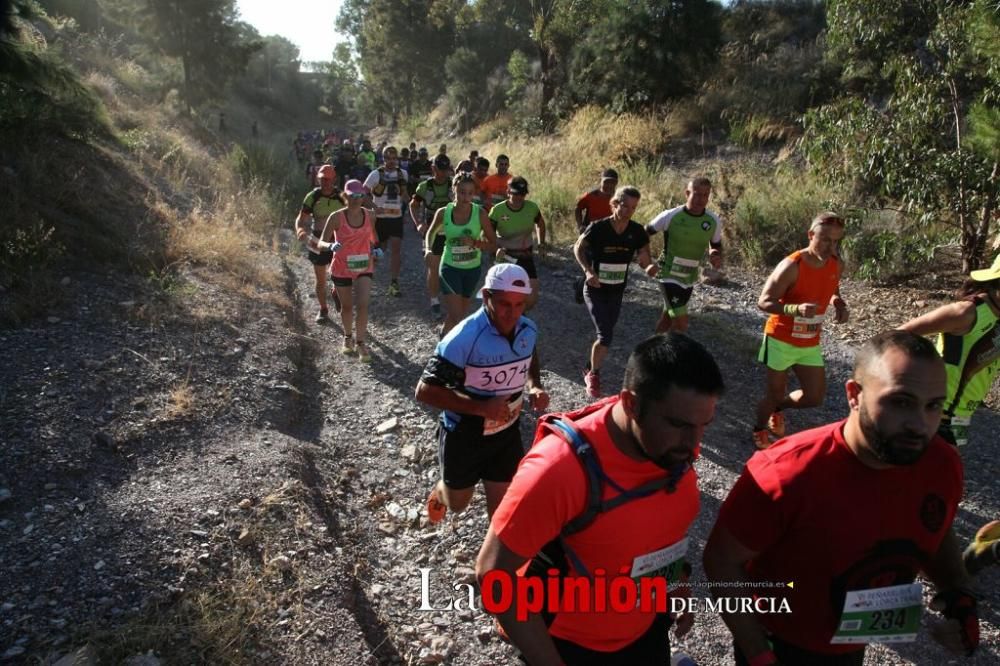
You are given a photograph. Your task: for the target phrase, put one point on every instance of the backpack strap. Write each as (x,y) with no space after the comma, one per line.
(596,480)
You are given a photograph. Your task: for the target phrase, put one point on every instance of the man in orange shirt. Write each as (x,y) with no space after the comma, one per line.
(596,204)
(646,435)
(495,185)
(796,295)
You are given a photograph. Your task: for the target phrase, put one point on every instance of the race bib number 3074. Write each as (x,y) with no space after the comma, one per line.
(498,379)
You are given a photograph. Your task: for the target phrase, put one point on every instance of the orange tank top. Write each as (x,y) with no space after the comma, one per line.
(813,285)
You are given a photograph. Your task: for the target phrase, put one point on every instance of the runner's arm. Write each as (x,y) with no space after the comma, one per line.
(302,224)
(435,227)
(416,203)
(540,228)
(725,561)
(444,398)
(580,252)
(646,263)
(957,318)
(531,637)
(954,598)
(779,282)
(715,245)
(332,225)
(489,244)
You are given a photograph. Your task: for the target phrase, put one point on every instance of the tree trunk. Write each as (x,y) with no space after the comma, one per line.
(546,60)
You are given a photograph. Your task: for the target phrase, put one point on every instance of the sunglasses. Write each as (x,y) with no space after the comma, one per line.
(360,195)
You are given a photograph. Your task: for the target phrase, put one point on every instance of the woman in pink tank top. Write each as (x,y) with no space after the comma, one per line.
(352,236)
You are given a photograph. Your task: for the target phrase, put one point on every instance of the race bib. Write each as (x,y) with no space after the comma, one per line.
(389,210)
(357,262)
(667,562)
(685,269)
(463,254)
(612,273)
(806,327)
(492,427)
(880,615)
(960,429)
(498,379)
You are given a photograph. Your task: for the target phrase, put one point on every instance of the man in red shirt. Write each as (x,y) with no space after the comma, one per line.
(650,431)
(843,517)
(596,204)
(494,186)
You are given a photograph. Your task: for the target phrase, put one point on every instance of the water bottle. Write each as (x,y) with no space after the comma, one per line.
(681,659)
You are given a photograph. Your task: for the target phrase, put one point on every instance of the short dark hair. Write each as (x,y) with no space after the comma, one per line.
(670,360)
(501,156)
(911,344)
(482,162)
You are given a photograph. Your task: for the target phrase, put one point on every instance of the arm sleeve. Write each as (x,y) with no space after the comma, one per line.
(371,180)
(440,371)
(308,202)
(662,221)
(717,237)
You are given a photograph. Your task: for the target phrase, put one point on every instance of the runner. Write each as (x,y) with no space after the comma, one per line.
(645,440)
(687,231)
(420,169)
(480,172)
(495,185)
(316,208)
(849,513)
(388,186)
(367,153)
(346,161)
(479,376)
(593,205)
(313,167)
(430,196)
(596,204)
(604,252)
(797,295)
(350,234)
(967,333)
(515,222)
(464,224)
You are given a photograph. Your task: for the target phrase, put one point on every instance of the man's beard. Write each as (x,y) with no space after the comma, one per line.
(889,449)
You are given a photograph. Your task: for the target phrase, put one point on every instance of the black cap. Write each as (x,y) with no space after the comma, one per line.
(422,151)
(609,174)
(442,162)
(517,185)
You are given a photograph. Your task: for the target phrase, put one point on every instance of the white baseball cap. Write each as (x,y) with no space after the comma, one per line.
(508,277)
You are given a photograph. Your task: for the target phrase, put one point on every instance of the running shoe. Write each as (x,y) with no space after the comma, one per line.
(336,300)
(436,310)
(593,382)
(984,549)
(435,507)
(347,349)
(761,440)
(394,288)
(363,354)
(578,290)
(776,424)
(323,316)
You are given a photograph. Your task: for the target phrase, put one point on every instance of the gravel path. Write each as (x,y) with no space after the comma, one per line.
(202,474)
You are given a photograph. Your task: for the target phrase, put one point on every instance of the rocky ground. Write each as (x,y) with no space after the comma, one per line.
(196,476)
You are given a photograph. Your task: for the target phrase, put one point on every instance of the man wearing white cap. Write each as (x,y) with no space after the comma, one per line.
(479,376)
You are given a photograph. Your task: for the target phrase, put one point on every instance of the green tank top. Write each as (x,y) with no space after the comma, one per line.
(687,237)
(971,361)
(515,228)
(455,254)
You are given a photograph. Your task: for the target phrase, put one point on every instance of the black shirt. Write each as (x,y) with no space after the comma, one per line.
(613,252)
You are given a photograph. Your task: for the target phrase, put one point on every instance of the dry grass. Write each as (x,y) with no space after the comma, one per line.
(181,401)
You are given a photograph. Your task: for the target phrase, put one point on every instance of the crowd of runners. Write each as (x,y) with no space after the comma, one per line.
(605,496)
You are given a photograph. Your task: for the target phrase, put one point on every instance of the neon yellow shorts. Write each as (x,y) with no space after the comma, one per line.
(780,356)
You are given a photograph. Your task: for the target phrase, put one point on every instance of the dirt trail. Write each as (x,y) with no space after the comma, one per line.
(202,474)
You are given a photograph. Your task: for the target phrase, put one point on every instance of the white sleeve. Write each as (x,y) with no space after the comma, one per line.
(717,237)
(372,179)
(661,222)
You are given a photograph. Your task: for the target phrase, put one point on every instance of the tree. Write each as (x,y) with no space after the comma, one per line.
(646,52)
(207,37)
(899,133)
